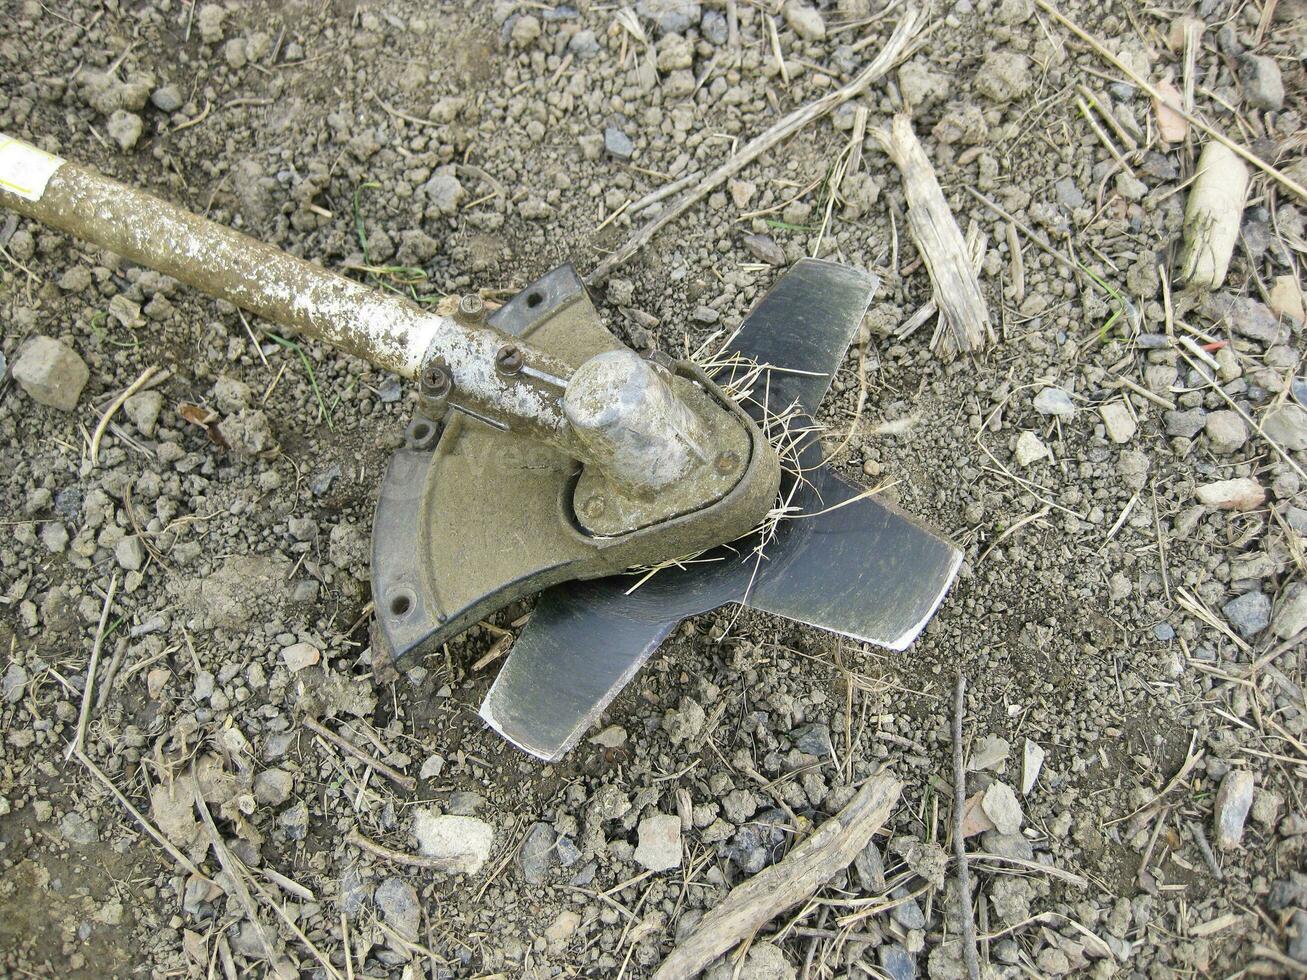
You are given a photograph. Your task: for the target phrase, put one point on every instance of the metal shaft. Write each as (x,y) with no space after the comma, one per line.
(380,327)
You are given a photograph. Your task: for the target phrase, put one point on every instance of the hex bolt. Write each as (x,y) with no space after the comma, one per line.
(509,359)
(726,462)
(471,308)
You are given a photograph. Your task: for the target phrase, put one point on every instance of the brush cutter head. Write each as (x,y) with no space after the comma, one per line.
(472,517)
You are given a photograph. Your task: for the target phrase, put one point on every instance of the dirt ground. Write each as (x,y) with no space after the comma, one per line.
(1131,636)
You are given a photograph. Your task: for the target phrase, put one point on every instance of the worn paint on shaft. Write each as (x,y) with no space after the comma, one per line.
(382,328)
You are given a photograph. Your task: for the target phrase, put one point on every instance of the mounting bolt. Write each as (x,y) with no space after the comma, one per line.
(435,379)
(726,462)
(509,359)
(471,308)
(594,505)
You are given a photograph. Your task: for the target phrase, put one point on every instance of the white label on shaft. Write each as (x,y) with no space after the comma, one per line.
(25,170)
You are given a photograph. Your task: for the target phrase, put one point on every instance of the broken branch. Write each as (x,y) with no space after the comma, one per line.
(939,240)
(794,879)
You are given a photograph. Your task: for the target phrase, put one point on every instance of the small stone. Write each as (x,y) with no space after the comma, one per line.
(445,193)
(813,740)
(1246,316)
(612,737)
(584,45)
(14,683)
(432,768)
(51,373)
(1287,426)
(563,927)
(295,821)
(705,314)
(1226,432)
(741,192)
(1068,194)
(990,753)
(1266,808)
(1118,422)
(297,656)
(1001,806)
(805,21)
(1131,187)
(1030,449)
(77,829)
(1055,401)
(1249,613)
(461,844)
(156,680)
(130,553)
(764,249)
(537,853)
(272,786)
(1233,801)
(660,842)
(210,21)
(1263,86)
(1291,617)
(974,819)
(897,962)
(1285,298)
(1008,845)
(1185,425)
(1243,493)
(143,409)
(54,536)
(907,913)
(124,128)
(525,31)
(714,28)
(685,722)
(1004,76)
(1032,762)
(618,144)
(167,98)
(398,901)
(671,16)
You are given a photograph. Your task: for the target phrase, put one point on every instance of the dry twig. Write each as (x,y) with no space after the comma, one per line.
(772,891)
(391,773)
(939,240)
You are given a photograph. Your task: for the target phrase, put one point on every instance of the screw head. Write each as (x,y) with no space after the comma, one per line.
(471,306)
(726,462)
(509,359)
(435,378)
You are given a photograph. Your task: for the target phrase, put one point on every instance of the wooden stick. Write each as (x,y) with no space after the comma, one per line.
(280,964)
(898,42)
(1280,177)
(969,955)
(398,857)
(1213,216)
(84,715)
(394,775)
(939,240)
(139,817)
(116,404)
(796,878)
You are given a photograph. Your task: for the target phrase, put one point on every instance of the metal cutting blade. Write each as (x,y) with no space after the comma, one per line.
(851,563)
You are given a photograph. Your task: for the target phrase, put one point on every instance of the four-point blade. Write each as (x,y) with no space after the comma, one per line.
(848,563)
